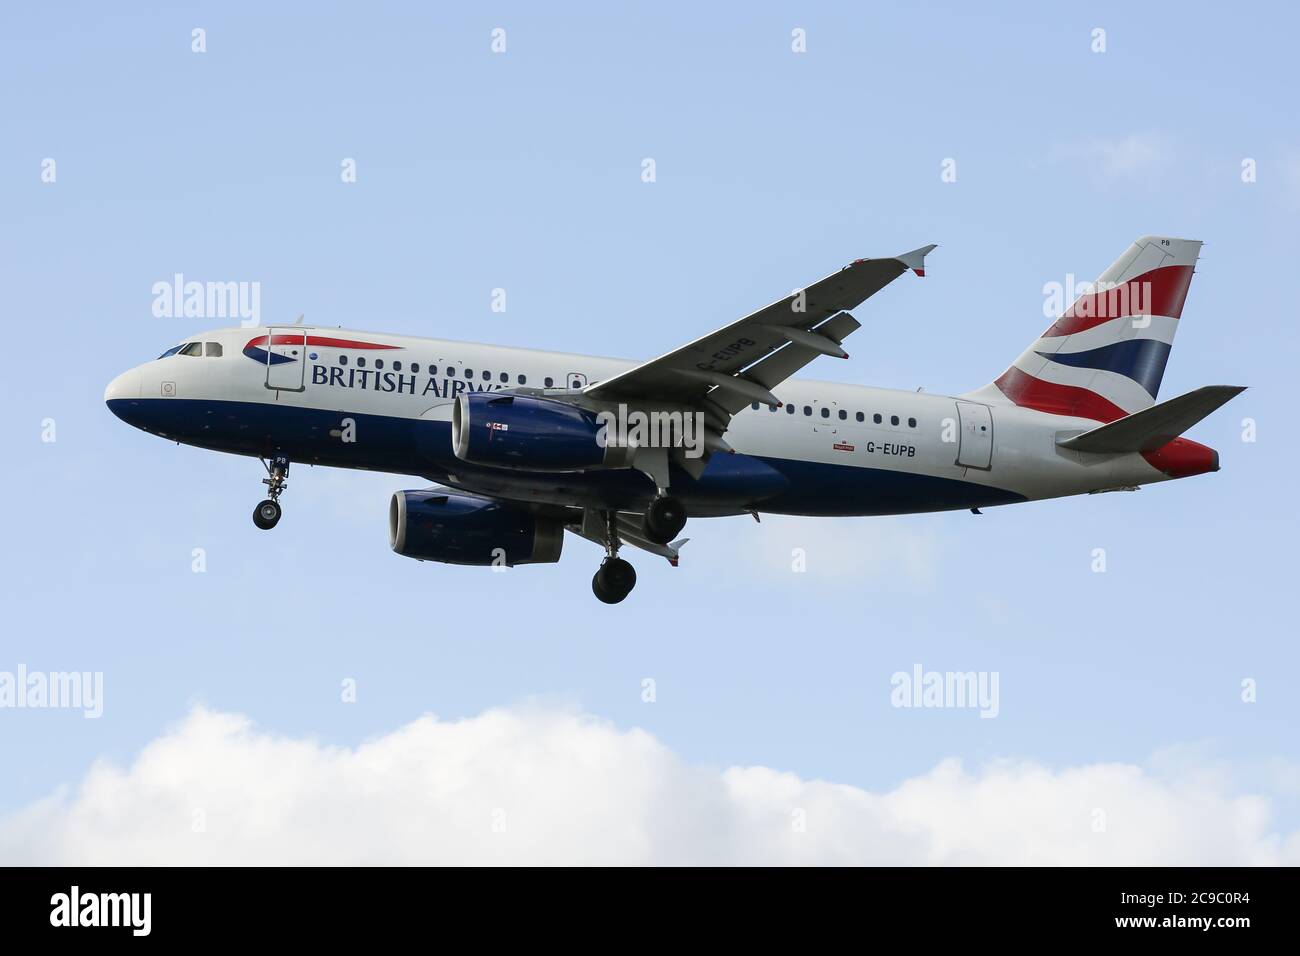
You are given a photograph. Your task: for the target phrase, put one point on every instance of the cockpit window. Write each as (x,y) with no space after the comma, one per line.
(212,349)
(192,348)
(171,351)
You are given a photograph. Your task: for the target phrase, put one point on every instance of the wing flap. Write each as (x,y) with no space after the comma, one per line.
(788,361)
(592,527)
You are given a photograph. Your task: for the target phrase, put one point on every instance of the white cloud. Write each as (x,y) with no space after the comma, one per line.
(568,788)
(1135,155)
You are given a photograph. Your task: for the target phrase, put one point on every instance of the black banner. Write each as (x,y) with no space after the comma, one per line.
(930,905)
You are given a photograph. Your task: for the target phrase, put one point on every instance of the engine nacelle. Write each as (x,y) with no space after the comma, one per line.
(462,529)
(528,433)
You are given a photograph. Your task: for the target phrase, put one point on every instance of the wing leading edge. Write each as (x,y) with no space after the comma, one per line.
(742,362)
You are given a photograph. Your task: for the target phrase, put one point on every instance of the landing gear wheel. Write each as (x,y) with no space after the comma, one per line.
(267,514)
(664,519)
(614,580)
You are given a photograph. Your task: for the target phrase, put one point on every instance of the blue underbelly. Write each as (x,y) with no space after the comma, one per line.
(729,483)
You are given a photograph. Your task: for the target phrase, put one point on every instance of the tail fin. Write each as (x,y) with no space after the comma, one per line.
(1104,357)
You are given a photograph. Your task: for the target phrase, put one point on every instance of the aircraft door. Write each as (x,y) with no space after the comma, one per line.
(976,439)
(286,359)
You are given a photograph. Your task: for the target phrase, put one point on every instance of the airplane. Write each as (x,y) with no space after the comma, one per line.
(524,446)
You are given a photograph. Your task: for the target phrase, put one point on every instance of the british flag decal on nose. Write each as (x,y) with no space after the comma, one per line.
(257,348)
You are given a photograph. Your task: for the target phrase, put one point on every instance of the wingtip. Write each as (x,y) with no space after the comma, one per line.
(915,260)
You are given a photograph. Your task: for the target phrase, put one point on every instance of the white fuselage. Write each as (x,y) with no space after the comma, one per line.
(922,452)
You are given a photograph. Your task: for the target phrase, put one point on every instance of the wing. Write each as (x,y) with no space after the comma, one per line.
(742,362)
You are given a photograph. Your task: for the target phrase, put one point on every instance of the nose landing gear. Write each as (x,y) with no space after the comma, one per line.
(267,514)
(615,578)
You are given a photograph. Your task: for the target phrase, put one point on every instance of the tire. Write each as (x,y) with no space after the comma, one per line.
(267,514)
(664,519)
(614,581)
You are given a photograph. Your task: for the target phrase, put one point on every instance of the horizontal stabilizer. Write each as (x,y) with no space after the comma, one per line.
(1156,426)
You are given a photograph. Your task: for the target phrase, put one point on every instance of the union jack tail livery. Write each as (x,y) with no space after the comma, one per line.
(1104,358)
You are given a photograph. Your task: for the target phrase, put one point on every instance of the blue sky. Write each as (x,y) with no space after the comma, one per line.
(521,171)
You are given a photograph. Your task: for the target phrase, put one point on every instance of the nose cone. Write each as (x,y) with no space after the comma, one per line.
(122,394)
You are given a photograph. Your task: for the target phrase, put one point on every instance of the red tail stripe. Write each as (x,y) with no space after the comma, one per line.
(1029,392)
(1158,292)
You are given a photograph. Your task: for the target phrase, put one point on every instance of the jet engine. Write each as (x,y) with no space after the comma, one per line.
(528,433)
(463,529)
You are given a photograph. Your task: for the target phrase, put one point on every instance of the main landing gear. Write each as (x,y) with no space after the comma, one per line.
(615,578)
(267,514)
(664,519)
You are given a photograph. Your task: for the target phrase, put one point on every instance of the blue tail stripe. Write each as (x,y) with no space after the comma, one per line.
(1142,360)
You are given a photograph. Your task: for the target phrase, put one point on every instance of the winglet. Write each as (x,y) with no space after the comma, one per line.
(915,260)
(676,548)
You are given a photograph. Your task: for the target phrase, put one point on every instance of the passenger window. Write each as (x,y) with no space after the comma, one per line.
(523,379)
(361,362)
(469,373)
(893,419)
(449,372)
(876,418)
(789,409)
(487,376)
(861,417)
(212,349)
(504,378)
(379,363)
(397,366)
(433,370)
(754,406)
(807,409)
(415,368)
(343,360)
(549,381)
(911,423)
(843,414)
(826,412)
